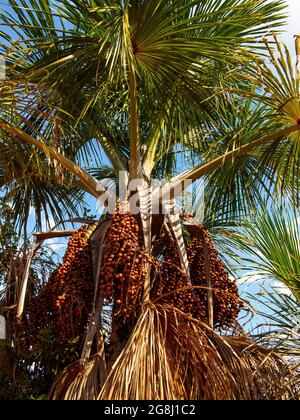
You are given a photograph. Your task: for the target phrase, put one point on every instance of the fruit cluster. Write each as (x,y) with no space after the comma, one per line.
(227,303)
(65,303)
(124,266)
(173,288)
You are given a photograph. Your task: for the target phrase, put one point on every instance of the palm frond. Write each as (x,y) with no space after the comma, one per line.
(84,50)
(279,328)
(278,87)
(271,243)
(171,356)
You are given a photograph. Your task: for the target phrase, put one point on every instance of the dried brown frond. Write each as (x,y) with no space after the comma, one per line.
(78,381)
(272,377)
(171,356)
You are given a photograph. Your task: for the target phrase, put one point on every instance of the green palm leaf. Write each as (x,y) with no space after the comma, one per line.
(271,241)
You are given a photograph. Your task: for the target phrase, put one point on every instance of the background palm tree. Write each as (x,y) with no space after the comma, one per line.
(140,81)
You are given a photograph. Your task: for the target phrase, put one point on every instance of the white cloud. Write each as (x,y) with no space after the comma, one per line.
(45,226)
(32,211)
(256,279)
(55,246)
(282,288)
(293,27)
(251,278)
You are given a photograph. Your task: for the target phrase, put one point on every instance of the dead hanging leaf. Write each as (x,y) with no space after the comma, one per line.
(25,277)
(97,240)
(174,221)
(78,381)
(171,356)
(145,198)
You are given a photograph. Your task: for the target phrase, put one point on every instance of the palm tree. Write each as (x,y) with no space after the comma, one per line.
(142,80)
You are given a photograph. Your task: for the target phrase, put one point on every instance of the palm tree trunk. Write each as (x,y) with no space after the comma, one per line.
(135,147)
